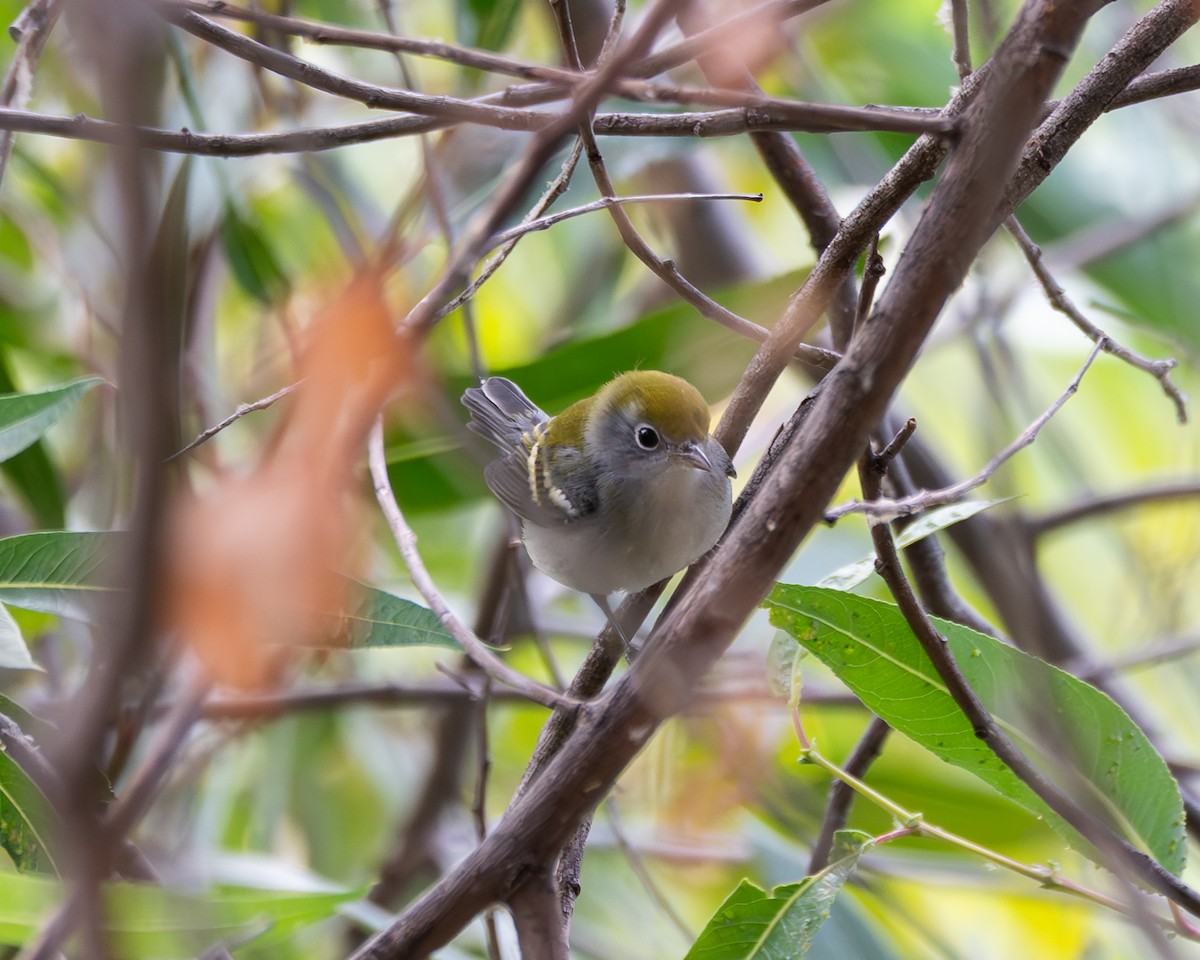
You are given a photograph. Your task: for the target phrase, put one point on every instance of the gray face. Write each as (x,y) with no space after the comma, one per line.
(636,449)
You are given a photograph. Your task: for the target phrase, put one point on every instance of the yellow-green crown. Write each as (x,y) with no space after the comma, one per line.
(672,405)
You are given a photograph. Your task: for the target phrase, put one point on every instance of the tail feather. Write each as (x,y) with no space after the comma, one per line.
(500,412)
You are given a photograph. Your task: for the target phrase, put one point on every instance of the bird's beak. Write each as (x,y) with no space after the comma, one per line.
(693,456)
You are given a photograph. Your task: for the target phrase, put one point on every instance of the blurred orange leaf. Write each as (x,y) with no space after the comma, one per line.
(256,564)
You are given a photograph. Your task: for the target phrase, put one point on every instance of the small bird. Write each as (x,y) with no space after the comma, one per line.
(618,491)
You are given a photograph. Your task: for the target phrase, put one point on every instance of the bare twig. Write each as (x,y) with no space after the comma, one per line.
(322,32)
(586,96)
(406,540)
(1111,236)
(1160,653)
(436,189)
(962,38)
(883,459)
(268,705)
(1159,369)
(558,186)
(837,806)
(797,179)
(31,30)
(885,508)
(242,409)
(873,271)
(636,864)
(1152,86)
(605,203)
(1101,504)
(309,74)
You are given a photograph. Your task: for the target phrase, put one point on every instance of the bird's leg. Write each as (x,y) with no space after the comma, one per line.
(610,615)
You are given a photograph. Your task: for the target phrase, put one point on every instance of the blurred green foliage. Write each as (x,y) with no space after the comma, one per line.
(306,807)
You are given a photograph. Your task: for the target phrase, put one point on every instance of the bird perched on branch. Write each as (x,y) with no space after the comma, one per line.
(618,491)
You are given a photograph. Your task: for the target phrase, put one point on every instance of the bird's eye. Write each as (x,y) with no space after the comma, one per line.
(647,437)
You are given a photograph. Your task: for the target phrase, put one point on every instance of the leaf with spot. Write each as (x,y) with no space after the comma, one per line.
(26,818)
(1074,733)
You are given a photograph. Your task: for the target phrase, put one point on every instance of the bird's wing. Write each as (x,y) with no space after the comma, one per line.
(522,479)
(522,482)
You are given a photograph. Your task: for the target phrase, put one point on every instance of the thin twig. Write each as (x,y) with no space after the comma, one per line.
(406,541)
(873,271)
(310,74)
(837,806)
(1160,370)
(962,38)
(137,795)
(31,30)
(1160,653)
(425,694)
(522,175)
(915,824)
(479,804)
(436,189)
(784,160)
(883,459)
(1100,504)
(665,270)
(335,34)
(558,186)
(786,116)
(241,411)
(605,203)
(1110,236)
(884,508)
(679,53)
(636,864)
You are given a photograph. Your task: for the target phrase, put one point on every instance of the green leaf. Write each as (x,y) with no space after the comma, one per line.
(494,21)
(14,654)
(24,417)
(30,472)
(31,724)
(379,619)
(251,258)
(14,245)
(869,646)
(851,575)
(57,572)
(54,572)
(754,925)
(147,921)
(26,818)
